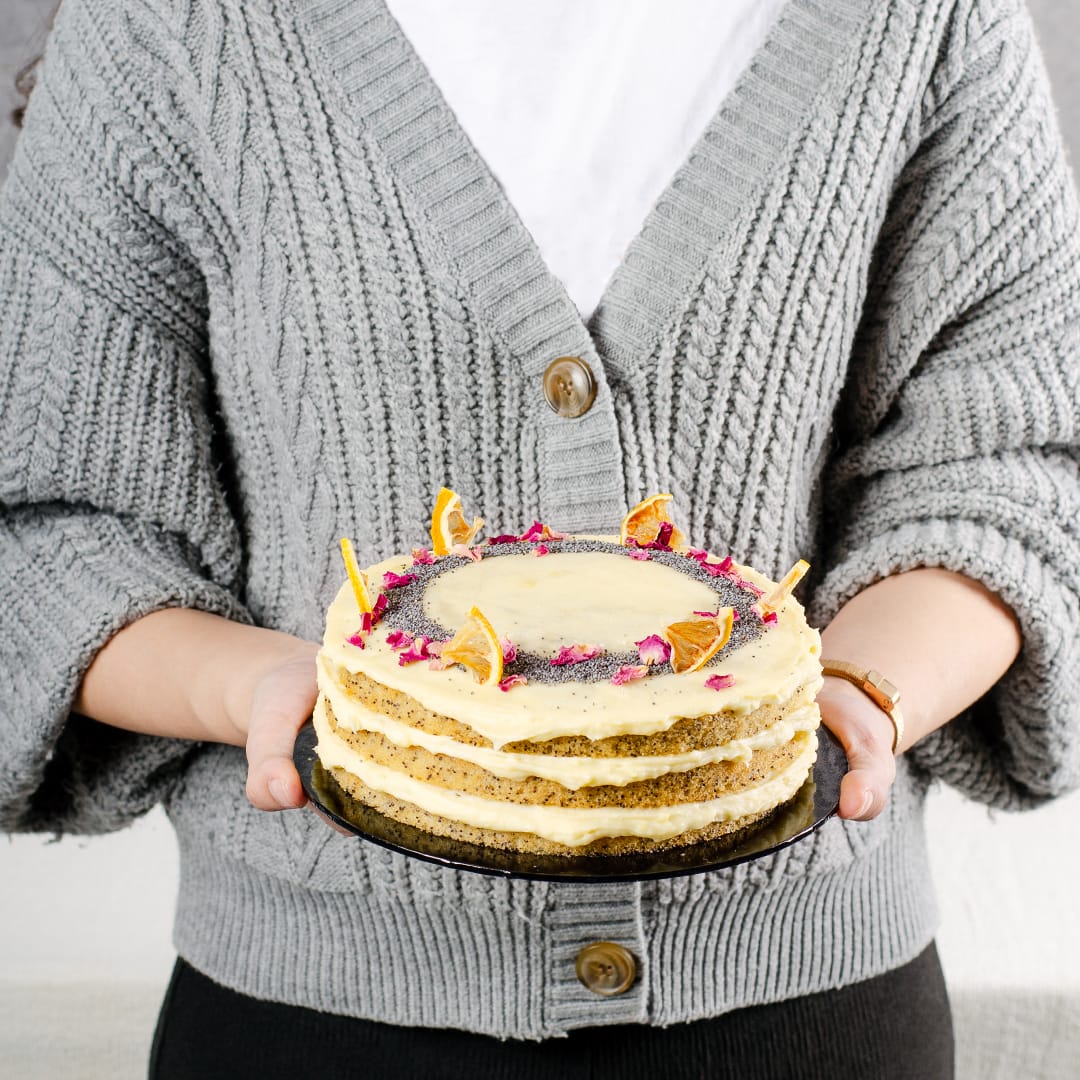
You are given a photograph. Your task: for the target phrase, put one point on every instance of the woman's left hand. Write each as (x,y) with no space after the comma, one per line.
(866,734)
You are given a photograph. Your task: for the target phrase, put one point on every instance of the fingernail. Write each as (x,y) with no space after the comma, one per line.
(277,789)
(868,801)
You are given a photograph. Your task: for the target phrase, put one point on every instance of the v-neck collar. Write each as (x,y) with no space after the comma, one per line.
(804,51)
(391,96)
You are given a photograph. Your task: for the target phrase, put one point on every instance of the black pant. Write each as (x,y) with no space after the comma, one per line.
(895,1025)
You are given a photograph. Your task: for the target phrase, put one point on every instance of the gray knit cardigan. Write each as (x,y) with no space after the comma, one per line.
(258,290)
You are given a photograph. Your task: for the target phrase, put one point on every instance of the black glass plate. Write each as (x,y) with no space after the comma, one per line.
(816,801)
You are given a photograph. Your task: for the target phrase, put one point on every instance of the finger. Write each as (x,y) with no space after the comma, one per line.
(273,782)
(866,735)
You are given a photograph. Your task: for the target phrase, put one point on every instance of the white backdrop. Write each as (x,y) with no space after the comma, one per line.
(85,924)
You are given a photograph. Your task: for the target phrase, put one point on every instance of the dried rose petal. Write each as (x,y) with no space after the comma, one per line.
(770,618)
(503,538)
(725,564)
(663,536)
(395,581)
(437,663)
(435,647)
(367,621)
(707,614)
(379,607)
(512,680)
(463,551)
(399,639)
(422,557)
(509,650)
(749,586)
(539,531)
(540,549)
(576,654)
(357,640)
(629,673)
(720,682)
(638,554)
(698,554)
(418,650)
(653,649)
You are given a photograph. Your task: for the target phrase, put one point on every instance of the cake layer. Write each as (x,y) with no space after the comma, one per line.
(569,771)
(450,810)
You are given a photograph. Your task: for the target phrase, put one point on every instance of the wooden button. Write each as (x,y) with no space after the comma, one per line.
(569,386)
(605,968)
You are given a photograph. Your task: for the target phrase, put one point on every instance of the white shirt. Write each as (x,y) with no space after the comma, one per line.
(561,96)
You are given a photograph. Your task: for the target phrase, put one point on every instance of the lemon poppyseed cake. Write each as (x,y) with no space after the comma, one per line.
(555,694)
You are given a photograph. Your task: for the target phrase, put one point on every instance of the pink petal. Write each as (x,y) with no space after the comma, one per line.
(437,663)
(749,586)
(540,549)
(435,647)
(697,554)
(512,680)
(379,606)
(725,564)
(653,649)
(575,654)
(639,555)
(417,651)
(357,640)
(707,614)
(663,537)
(770,618)
(539,531)
(422,557)
(463,551)
(394,581)
(720,682)
(399,639)
(509,650)
(503,538)
(367,621)
(628,673)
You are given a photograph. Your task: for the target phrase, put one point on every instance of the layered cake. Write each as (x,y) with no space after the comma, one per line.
(568,694)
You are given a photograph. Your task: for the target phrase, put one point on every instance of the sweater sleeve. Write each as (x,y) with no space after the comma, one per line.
(960,425)
(111,500)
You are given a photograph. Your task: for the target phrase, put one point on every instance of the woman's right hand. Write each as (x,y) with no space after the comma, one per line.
(188,674)
(279,703)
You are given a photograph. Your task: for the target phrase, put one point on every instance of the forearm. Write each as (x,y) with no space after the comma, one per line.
(940,637)
(183,673)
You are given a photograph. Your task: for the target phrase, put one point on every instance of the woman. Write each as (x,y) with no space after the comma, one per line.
(260,290)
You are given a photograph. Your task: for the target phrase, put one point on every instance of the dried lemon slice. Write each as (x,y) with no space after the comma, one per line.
(476,646)
(776,598)
(448,525)
(695,642)
(644,522)
(356,577)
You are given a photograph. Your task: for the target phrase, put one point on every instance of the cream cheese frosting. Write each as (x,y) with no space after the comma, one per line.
(572,826)
(767,670)
(571,772)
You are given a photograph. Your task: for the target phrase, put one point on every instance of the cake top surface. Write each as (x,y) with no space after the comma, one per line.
(587,591)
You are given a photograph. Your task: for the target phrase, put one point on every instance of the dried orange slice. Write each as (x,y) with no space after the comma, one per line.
(448,524)
(356,577)
(776,598)
(695,642)
(642,524)
(476,647)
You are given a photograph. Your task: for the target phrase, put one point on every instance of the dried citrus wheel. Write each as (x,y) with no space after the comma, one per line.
(356,577)
(642,524)
(782,591)
(476,647)
(448,525)
(695,642)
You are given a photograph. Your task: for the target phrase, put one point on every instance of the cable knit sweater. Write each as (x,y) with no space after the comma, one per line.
(257,290)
